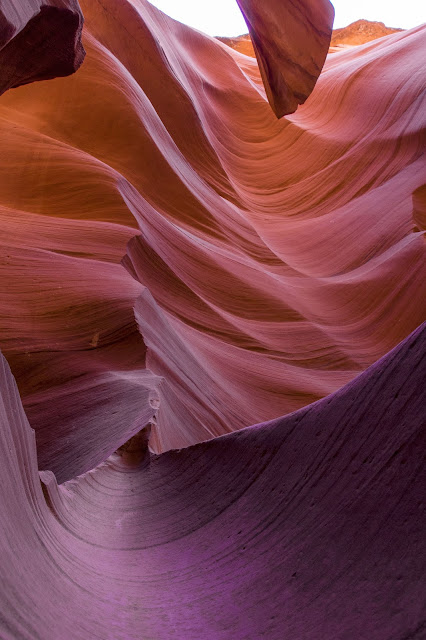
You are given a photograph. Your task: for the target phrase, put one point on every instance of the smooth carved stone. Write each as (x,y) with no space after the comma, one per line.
(311,523)
(39,40)
(291,41)
(279,254)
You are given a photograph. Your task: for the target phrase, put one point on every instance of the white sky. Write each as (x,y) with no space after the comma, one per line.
(223,18)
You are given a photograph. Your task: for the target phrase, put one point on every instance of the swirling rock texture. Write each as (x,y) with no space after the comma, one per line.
(309,526)
(274,261)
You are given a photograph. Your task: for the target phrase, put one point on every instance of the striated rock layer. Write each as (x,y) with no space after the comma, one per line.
(307,527)
(275,261)
(280,258)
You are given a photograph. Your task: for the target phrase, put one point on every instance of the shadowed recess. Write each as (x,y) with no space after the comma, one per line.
(39,40)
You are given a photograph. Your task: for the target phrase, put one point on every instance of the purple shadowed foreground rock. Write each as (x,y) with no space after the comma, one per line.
(39,40)
(308,527)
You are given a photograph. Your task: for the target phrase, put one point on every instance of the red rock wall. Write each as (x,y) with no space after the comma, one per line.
(268,264)
(283,254)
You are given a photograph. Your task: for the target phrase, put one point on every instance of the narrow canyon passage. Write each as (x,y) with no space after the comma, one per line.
(212,321)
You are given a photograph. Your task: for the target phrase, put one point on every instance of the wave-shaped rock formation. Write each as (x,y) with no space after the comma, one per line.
(282,256)
(309,526)
(178,264)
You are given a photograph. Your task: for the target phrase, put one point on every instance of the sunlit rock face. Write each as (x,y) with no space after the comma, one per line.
(180,264)
(360,32)
(39,40)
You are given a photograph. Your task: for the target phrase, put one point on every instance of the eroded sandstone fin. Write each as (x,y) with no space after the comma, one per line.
(291,41)
(41,41)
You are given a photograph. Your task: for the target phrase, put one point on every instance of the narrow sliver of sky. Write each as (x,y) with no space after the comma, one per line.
(223,18)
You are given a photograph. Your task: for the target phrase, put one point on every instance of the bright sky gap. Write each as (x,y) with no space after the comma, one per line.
(223,18)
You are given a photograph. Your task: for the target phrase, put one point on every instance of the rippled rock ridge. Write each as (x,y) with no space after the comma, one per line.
(212,400)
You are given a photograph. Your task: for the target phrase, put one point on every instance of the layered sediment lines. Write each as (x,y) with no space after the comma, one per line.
(269,265)
(309,526)
(275,259)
